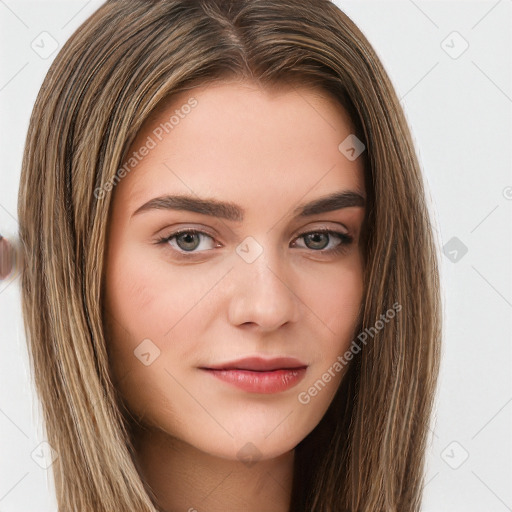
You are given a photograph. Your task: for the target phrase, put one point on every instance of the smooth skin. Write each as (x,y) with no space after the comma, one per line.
(201,303)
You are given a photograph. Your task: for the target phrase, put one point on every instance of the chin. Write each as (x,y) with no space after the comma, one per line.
(250,442)
(249,449)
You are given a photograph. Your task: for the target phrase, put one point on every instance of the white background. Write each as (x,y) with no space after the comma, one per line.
(459,110)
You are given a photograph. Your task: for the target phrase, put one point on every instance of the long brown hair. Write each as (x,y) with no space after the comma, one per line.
(367,453)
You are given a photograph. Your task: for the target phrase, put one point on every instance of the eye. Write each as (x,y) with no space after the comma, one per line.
(188,240)
(318,240)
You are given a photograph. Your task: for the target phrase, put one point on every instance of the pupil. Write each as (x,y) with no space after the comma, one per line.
(315,236)
(187,237)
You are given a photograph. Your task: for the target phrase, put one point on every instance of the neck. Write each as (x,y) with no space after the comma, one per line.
(185,479)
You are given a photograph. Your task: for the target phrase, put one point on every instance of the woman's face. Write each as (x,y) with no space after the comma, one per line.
(245,168)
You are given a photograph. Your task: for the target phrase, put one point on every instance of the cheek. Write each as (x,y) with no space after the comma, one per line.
(141,306)
(335,301)
(333,295)
(145,297)
(152,309)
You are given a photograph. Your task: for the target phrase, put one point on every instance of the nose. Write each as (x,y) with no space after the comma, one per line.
(263,294)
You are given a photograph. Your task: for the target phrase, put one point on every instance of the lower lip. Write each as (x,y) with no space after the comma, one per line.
(261,382)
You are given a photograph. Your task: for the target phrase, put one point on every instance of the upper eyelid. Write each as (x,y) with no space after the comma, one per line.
(323,226)
(299,234)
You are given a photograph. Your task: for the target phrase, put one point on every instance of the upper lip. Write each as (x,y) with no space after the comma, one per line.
(259,364)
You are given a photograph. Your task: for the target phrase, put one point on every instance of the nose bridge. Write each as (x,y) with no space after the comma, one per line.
(262,293)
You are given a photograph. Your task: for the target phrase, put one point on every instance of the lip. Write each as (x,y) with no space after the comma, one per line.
(260,364)
(258,375)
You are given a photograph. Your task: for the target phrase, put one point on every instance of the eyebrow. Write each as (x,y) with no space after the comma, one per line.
(234,213)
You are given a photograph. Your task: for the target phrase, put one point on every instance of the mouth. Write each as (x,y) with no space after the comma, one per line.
(257,375)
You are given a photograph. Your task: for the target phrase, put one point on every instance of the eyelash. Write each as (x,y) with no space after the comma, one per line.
(346,241)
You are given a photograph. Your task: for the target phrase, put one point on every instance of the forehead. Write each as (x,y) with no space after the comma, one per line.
(235,139)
